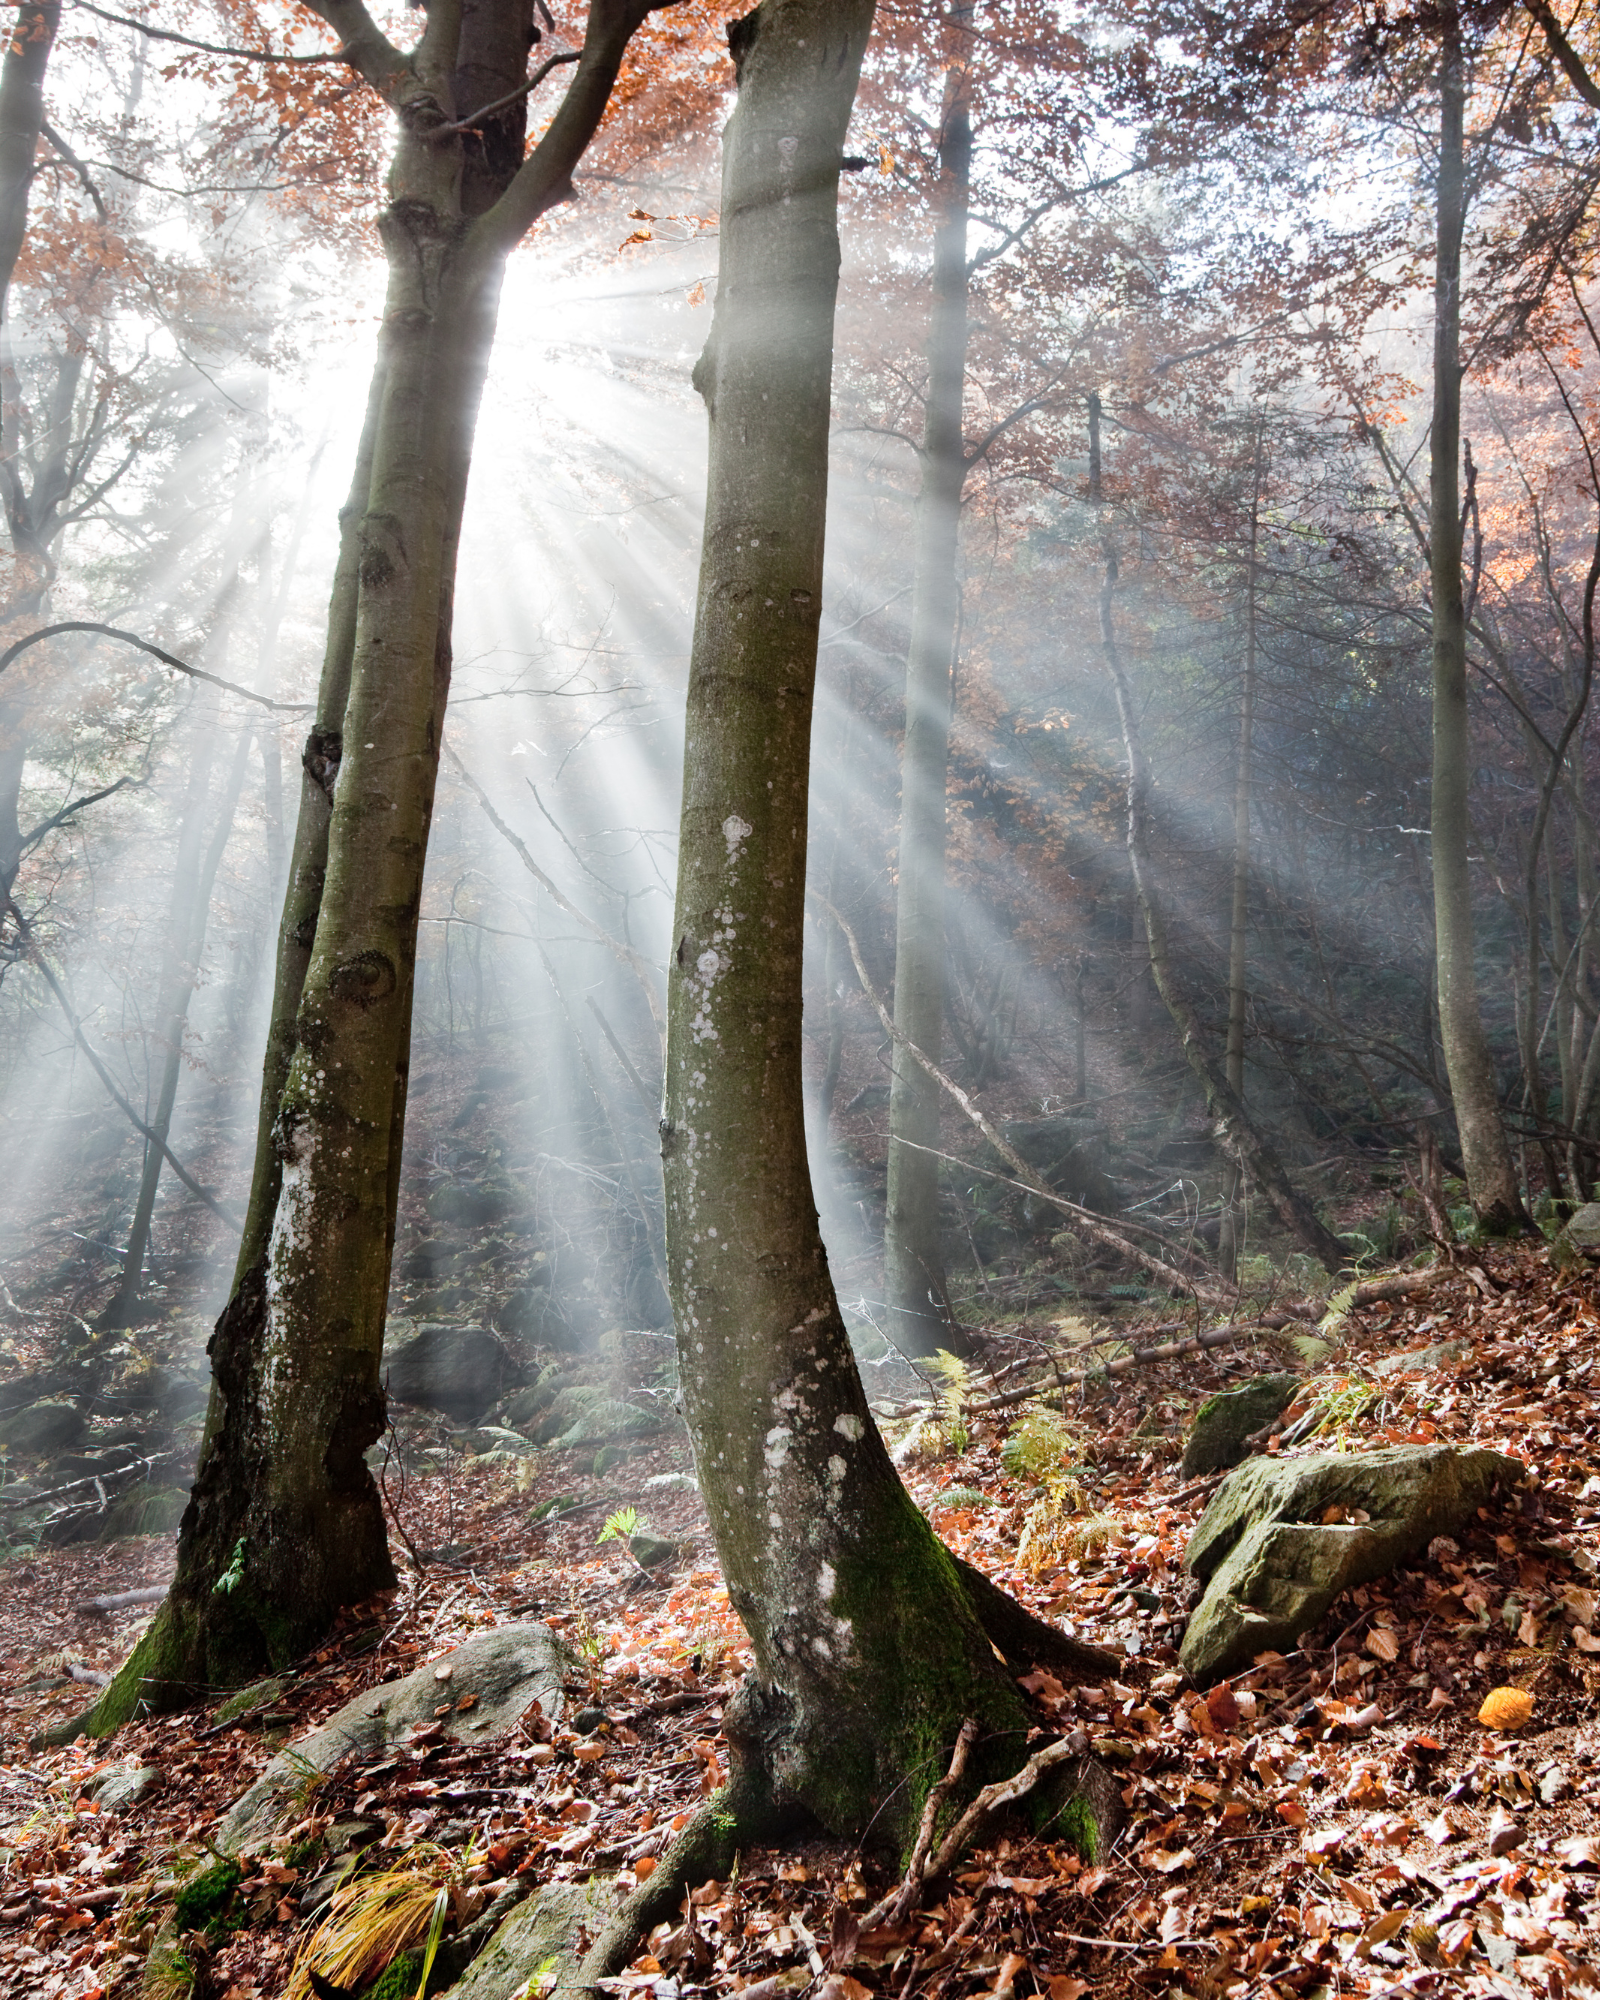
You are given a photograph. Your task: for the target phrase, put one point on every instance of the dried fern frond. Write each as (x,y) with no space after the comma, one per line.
(371,1921)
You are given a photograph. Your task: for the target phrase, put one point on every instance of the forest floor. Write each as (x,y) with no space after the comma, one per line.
(1334,1822)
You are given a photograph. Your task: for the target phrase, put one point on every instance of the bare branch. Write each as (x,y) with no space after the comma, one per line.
(156,652)
(207,48)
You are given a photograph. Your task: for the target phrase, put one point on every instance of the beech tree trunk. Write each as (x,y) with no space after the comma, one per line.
(920,1319)
(871,1641)
(285,1525)
(1486,1154)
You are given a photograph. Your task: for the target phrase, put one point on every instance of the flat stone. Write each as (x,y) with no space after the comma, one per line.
(507,1669)
(1273,1562)
(122,1786)
(1224,1421)
(1421,1360)
(259,1694)
(43,1427)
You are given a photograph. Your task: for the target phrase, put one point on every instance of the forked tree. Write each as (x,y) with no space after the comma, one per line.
(285,1524)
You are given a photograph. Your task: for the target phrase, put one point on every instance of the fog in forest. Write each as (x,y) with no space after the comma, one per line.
(1197,424)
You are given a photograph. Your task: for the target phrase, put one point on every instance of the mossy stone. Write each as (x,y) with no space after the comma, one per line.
(42,1428)
(202,1903)
(1223,1423)
(1283,1537)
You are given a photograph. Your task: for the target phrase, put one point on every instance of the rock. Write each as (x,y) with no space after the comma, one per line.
(650,1551)
(1272,1564)
(474,1204)
(142,1510)
(22,1390)
(122,1786)
(461,1370)
(538,1938)
(1069,1155)
(259,1694)
(1223,1422)
(507,1669)
(42,1427)
(1579,1238)
(1421,1360)
(583,1414)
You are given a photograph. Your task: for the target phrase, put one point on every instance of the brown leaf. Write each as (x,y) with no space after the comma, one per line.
(1382,1644)
(1223,1708)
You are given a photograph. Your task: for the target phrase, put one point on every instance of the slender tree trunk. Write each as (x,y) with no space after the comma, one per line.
(185,934)
(871,1641)
(283,1501)
(1491,1173)
(1239,924)
(920,1319)
(1238,1137)
(28,45)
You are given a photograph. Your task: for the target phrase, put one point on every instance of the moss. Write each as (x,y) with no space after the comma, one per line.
(398,1979)
(204,1900)
(1073,1820)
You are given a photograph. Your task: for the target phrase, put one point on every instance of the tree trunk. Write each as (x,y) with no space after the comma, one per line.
(1491,1174)
(920,1319)
(1239,922)
(22,72)
(1238,1137)
(871,1642)
(285,1525)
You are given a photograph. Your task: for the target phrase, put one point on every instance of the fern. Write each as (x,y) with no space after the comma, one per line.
(1338,1310)
(955,1386)
(620,1526)
(1037,1447)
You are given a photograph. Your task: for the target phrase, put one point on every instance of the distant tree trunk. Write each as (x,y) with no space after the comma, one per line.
(872,1643)
(283,1500)
(1238,1137)
(185,930)
(1491,1173)
(22,73)
(920,1319)
(1239,924)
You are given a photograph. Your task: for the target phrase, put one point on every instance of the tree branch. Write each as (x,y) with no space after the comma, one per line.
(207,48)
(545,177)
(152,1137)
(1565,54)
(156,652)
(511,97)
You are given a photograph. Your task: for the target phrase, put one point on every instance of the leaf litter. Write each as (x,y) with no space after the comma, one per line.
(1338,1821)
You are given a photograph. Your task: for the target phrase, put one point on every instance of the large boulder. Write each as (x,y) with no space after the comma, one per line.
(542,1936)
(461,1370)
(1069,1155)
(1283,1537)
(507,1670)
(1579,1239)
(1224,1423)
(43,1428)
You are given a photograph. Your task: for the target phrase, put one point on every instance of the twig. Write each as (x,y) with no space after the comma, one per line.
(1139,1357)
(94,1479)
(903,1898)
(989,1801)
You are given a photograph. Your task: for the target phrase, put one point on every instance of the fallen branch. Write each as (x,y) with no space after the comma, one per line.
(122,1600)
(1081,1218)
(906,1894)
(94,1479)
(1138,1357)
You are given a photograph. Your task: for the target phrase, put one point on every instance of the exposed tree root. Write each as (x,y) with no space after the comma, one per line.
(904,1897)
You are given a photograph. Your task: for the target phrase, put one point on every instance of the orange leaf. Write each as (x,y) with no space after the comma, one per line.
(1506,1709)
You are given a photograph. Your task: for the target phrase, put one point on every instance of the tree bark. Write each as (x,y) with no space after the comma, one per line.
(285,1525)
(870,1644)
(920,1318)
(22,75)
(1491,1174)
